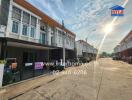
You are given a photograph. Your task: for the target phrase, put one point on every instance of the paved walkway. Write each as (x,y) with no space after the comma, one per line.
(102,80)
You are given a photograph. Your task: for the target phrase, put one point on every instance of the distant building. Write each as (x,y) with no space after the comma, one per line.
(124,49)
(85,50)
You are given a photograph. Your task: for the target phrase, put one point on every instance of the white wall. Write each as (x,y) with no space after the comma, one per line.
(84,47)
(79,47)
(60,38)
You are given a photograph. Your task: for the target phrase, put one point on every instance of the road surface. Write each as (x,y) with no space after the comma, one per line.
(102,80)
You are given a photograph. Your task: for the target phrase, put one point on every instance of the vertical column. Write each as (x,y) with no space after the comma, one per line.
(9,23)
(37,33)
(21,26)
(49,35)
(29,29)
(56,37)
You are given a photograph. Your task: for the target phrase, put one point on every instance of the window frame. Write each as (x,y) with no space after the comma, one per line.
(18,26)
(15,13)
(27,29)
(32,27)
(21,22)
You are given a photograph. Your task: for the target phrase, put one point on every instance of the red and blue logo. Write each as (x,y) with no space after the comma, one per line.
(117,11)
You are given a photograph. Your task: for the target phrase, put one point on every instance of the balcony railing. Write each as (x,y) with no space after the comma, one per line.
(43,42)
(53,44)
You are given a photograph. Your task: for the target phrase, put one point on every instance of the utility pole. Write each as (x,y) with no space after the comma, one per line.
(63,43)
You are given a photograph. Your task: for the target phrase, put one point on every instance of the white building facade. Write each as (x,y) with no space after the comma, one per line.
(29,39)
(26,23)
(85,50)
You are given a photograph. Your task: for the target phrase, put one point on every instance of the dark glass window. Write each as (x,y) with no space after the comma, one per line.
(25,30)
(26,18)
(32,32)
(16,13)
(15,27)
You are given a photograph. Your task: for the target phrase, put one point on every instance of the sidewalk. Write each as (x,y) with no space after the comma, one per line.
(14,90)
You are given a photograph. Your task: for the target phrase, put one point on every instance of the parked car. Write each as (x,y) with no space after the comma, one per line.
(116,58)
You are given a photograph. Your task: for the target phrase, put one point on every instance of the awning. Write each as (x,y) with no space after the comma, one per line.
(25,44)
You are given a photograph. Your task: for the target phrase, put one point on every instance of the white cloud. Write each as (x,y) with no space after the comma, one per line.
(44,4)
(60,6)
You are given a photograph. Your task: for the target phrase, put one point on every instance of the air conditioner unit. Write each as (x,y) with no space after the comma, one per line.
(2,28)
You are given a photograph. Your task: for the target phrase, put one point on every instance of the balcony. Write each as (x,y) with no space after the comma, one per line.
(41,41)
(53,44)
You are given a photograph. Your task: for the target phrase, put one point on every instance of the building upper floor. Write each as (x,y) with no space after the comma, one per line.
(82,46)
(125,44)
(21,20)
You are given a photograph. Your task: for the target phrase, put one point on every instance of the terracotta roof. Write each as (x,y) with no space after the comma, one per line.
(45,18)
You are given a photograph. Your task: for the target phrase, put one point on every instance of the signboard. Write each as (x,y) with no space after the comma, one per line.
(28,64)
(39,65)
(117,10)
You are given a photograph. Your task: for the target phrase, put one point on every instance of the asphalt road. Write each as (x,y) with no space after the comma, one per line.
(102,80)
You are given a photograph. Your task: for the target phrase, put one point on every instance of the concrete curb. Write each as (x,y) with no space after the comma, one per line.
(19,94)
(4,89)
(24,81)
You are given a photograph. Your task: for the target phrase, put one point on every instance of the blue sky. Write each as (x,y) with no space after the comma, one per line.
(87,18)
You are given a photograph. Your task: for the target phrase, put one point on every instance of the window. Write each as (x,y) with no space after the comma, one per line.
(52,40)
(15,27)
(16,13)
(59,37)
(42,38)
(33,26)
(32,32)
(33,21)
(26,18)
(25,30)
(26,21)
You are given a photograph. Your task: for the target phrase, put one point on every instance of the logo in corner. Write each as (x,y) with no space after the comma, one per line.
(117,10)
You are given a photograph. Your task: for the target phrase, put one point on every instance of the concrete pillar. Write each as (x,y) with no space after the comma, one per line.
(49,35)
(37,34)
(21,26)
(9,23)
(56,37)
